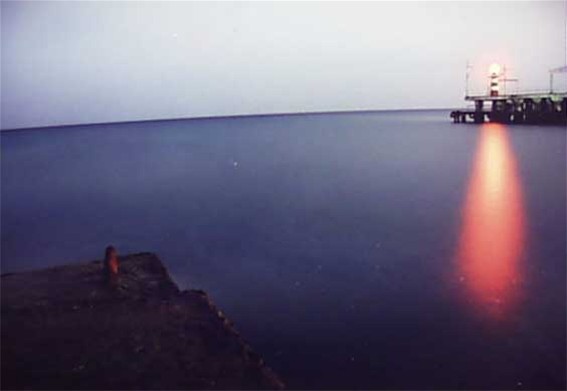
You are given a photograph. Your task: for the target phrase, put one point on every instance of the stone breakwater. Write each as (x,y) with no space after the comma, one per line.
(66,328)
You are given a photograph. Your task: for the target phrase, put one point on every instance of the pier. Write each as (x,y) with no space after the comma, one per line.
(543,107)
(529,108)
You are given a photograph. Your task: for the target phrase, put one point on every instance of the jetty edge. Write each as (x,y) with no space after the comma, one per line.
(65,327)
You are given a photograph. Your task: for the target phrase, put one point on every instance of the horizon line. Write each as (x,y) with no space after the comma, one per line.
(205,117)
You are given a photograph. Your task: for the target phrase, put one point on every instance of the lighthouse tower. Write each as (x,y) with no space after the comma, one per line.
(494,72)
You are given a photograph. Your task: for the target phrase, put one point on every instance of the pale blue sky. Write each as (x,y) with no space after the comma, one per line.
(83,62)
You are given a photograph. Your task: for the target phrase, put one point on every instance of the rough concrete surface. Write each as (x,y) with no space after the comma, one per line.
(67,328)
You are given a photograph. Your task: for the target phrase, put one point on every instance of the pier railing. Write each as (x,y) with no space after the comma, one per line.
(530,94)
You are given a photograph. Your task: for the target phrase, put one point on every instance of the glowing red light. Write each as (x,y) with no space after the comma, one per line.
(494,69)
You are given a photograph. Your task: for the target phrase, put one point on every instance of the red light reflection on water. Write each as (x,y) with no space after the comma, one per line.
(493,228)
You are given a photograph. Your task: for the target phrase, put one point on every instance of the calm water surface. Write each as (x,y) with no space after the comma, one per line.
(370,250)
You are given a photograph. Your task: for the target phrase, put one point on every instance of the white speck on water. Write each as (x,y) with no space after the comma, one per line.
(235,163)
(520,384)
(297,283)
(378,245)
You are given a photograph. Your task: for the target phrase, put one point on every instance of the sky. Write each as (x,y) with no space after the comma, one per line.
(69,62)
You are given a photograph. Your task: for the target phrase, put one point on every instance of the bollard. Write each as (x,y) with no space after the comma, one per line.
(111,264)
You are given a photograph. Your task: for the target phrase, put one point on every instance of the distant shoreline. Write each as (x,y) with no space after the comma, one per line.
(235,116)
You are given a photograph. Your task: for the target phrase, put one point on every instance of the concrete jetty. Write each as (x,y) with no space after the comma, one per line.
(528,108)
(66,328)
(542,107)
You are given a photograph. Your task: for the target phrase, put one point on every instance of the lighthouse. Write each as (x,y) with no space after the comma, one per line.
(494,72)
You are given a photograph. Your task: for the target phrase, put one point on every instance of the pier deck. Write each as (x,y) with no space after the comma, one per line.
(532,108)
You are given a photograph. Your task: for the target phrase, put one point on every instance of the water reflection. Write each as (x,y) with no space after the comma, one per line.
(492,234)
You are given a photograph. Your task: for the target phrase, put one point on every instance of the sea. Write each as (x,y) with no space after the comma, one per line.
(362,250)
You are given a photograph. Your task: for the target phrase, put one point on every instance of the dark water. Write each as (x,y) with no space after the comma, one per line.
(374,250)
